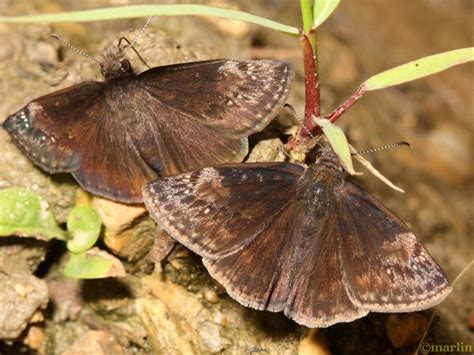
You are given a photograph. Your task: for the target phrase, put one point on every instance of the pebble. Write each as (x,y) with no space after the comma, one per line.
(210,295)
(405,329)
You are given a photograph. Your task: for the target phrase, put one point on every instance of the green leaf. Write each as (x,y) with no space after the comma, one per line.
(24,213)
(93,264)
(419,68)
(83,225)
(120,12)
(338,141)
(322,10)
(307,14)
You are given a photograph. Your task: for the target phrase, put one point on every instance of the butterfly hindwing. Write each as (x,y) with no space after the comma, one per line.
(291,266)
(217,211)
(385,268)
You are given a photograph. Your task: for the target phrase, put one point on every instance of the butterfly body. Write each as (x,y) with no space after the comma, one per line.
(281,237)
(116,135)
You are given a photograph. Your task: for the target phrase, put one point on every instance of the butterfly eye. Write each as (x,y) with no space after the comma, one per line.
(125,65)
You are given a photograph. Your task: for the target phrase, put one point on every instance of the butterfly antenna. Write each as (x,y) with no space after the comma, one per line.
(145,26)
(70,46)
(134,49)
(388,146)
(295,115)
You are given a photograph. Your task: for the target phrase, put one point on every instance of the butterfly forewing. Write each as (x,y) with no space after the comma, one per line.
(235,98)
(218,211)
(48,128)
(385,268)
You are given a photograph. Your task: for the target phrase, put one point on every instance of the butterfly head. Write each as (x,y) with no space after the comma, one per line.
(115,65)
(327,168)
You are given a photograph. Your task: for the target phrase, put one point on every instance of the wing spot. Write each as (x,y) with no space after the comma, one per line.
(207,210)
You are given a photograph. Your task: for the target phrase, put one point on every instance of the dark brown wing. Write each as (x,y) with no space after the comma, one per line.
(385,268)
(217,211)
(236,98)
(292,266)
(76,130)
(172,143)
(45,129)
(267,247)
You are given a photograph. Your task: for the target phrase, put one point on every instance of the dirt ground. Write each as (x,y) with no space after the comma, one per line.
(173,306)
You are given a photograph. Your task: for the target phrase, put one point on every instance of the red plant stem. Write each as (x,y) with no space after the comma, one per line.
(312,93)
(338,112)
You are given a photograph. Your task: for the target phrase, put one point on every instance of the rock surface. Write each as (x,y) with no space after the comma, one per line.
(176,306)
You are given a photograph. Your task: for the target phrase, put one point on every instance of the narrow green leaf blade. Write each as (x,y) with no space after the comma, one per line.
(83,225)
(93,264)
(121,12)
(419,68)
(339,144)
(24,213)
(322,10)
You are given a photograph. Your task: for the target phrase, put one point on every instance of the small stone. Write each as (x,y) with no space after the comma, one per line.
(37,317)
(182,254)
(210,295)
(470,321)
(176,264)
(405,329)
(34,338)
(314,344)
(267,150)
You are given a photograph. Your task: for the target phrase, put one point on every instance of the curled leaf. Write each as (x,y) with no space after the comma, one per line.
(93,264)
(373,170)
(84,227)
(24,213)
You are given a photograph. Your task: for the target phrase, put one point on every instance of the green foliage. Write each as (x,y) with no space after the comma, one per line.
(83,225)
(93,264)
(419,68)
(322,10)
(24,213)
(338,141)
(120,12)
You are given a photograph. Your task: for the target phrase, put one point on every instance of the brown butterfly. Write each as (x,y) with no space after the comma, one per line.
(280,237)
(116,135)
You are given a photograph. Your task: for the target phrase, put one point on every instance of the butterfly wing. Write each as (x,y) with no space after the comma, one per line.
(258,240)
(385,269)
(235,98)
(292,266)
(219,210)
(173,143)
(76,130)
(44,128)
